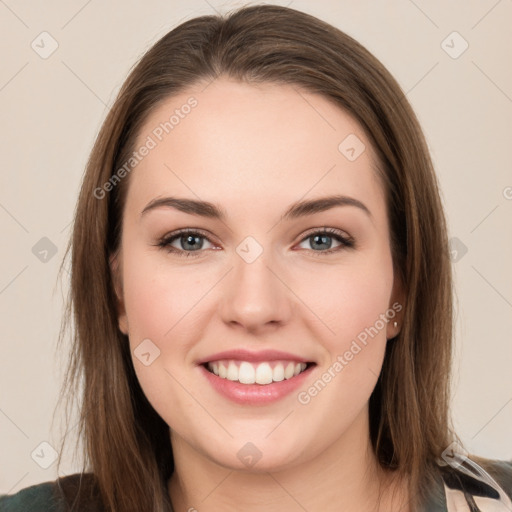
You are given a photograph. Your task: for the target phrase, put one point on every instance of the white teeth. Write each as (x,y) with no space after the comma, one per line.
(261,373)
(278,373)
(289,371)
(232,373)
(246,373)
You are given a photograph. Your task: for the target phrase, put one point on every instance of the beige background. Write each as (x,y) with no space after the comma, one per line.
(52,109)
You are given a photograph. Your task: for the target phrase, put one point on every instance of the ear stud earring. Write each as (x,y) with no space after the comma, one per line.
(395,324)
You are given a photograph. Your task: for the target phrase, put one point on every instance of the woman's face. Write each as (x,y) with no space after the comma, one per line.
(256,288)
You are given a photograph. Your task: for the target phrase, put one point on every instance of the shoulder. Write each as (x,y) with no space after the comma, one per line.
(79,490)
(36,498)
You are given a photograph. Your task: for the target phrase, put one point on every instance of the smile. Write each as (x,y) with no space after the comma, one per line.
(252,384)
(262,373)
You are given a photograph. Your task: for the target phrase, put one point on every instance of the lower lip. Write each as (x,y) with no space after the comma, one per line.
(255,394)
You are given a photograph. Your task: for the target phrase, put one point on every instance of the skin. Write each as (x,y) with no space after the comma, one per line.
(254,150)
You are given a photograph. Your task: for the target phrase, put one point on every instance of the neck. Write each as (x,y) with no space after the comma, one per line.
(346,477)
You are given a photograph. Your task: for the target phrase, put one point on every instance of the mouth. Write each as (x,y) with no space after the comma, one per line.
(256,383)
(253,378)
(262,373)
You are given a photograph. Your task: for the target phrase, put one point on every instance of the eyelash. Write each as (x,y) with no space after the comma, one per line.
(347,242)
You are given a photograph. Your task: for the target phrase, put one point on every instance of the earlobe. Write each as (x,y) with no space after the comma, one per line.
(396,309)
(393,329)
(115,272)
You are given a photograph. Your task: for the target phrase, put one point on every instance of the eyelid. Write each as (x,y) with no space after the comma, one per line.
(328,230)
(191,231)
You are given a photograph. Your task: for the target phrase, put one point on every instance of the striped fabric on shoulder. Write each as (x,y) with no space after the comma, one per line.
(470,488)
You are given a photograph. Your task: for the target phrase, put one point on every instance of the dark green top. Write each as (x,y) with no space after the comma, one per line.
(57,496)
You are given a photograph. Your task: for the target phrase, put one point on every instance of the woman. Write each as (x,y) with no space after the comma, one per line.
(261,287)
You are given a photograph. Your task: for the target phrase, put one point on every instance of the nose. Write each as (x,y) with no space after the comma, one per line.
(255,296)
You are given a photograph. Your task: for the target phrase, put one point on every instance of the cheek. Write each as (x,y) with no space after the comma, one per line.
(158,296)
(160,302)
(349,299)
(354,304)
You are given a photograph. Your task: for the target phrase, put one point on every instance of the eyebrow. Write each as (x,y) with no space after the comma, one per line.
(296,210)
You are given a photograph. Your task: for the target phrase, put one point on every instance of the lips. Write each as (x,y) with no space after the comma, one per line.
(255,394)
(253,378)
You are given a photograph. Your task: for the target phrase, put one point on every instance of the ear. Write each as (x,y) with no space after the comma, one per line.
(396,308)
(116,273)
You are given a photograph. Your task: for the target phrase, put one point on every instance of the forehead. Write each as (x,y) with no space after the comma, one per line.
(248,145)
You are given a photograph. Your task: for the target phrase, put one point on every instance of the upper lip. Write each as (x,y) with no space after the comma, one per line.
(260,356)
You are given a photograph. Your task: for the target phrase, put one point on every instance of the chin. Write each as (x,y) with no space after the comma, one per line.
(258,457)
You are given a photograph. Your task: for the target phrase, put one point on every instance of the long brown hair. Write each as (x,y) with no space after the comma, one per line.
(126,443)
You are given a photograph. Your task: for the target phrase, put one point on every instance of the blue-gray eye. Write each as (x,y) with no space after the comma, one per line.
(322,241)
(188,241)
